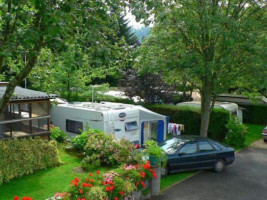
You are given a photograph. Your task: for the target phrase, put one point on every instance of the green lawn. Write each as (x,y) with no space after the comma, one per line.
(173,179)
(44,183)
(254,133)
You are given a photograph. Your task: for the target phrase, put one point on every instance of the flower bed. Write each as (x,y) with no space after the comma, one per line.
(117,184)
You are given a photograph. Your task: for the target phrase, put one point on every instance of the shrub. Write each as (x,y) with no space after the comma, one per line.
(236,132)
(96,193)
(191,118)
(255,114)
(152,149)
(1,177)
(217,126)
(80,141)
(24,156)
(104,149)
(57,134)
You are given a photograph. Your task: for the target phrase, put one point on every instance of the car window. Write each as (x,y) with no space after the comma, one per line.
(204,146)
(189,148)
(217,146)
(172,145)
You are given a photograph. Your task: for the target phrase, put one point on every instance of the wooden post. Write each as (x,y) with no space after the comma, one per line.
(30,113)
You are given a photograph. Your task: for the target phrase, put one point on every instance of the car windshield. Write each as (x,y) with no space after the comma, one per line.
(170,146)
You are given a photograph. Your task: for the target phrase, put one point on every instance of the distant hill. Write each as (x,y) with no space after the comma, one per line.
(141,33)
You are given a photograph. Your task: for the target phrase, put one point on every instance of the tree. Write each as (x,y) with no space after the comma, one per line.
(71,72)
(128,47)
(215,44)
(62,74)
(148,86)
(28,26)
(126,31)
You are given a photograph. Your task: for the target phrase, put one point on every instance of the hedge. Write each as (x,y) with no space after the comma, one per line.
(19,157)
(255,114)
(191,119)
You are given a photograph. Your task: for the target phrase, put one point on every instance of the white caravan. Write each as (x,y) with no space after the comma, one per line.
(134,123)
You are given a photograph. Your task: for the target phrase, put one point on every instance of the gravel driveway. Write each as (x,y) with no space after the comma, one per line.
(245,179)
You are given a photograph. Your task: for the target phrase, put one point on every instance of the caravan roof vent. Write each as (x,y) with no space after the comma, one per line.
(118,108)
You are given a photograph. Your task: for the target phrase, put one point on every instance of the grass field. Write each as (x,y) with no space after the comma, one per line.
(254,133)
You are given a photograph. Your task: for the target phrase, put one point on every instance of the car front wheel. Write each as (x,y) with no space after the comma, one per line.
(219,166)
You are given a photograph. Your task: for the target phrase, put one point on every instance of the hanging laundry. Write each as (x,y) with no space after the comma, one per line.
(175,129)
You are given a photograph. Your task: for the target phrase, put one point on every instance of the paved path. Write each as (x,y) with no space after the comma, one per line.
(245,179)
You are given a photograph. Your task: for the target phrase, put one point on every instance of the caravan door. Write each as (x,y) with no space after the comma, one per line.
(152,130)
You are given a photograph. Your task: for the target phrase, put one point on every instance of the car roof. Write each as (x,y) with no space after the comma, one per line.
(192,138)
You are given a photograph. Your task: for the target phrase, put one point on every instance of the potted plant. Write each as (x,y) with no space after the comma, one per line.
(156,154)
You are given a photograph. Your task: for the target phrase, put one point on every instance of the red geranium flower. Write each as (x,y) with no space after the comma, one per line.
(107,189)
(143,184)
(147,165)
(143,174)
(137,146)
(81,191)
(97,172)
(89,185)
(26,198)
(74,183)
(121,193)
(154,174)
(16,198)
(90,174)
(116,198)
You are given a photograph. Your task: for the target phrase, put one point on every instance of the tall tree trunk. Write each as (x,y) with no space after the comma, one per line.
(68,87)
(206,96)
(21,75)
(33,55)
(184,89)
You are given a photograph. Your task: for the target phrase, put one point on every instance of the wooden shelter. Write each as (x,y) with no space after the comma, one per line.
(27,114)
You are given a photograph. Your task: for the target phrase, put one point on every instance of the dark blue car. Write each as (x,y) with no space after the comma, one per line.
(186,153)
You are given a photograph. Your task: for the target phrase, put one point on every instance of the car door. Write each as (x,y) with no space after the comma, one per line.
(205,157)
(184,158)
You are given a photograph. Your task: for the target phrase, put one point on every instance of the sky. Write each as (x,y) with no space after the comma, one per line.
(132,21)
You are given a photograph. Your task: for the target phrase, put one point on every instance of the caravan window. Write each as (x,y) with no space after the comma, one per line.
(74,126)
(131,126)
